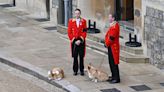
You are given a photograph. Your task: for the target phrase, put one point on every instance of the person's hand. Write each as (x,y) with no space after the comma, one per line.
(78,42)
(105,46)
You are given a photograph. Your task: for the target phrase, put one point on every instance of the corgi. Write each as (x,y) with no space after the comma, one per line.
(56,74)
(96,74)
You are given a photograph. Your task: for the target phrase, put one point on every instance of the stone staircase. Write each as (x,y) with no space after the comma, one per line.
(127,54)
(126,28)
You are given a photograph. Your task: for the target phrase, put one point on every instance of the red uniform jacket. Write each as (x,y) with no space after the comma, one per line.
(114,32)
(75,32)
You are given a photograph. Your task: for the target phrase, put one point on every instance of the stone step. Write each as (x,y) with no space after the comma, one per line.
(127,54)
(100,38)
(129,58)
(126,28)
(124,56)
(133,50)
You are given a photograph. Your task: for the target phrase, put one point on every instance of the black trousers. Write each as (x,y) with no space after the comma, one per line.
(78,51)
(113,67)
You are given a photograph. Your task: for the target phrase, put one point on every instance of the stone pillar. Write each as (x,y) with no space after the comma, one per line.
(70,8)
(74,4)
(60,14)
(66,10)
(14,3)
(48,9)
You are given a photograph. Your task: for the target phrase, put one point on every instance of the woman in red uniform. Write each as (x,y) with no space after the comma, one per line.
(112,43)
(77,35)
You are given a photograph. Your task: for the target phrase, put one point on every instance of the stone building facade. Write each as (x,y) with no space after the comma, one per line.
(153,26)
(148,23)
(98,10)
(36,8)
(148,19)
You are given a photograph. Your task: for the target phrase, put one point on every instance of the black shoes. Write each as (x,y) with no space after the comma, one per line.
(113,81)
(75,73)
(82,73)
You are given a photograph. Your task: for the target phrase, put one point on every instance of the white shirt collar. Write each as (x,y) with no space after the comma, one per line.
(78,22)
(111,24)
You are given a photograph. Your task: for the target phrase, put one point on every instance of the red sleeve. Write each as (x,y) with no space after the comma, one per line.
(114,32)
(107,40)
(70,34)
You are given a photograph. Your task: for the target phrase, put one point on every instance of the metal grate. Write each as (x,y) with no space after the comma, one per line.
(140,88)
(51,28)
(162,84)
(6,5)
(110,90)
(42,19)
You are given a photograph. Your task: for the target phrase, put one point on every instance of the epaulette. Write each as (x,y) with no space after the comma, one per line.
(113,24)
(82,19)
(73,19)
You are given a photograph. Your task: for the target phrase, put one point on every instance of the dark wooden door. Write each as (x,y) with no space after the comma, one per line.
(129,9)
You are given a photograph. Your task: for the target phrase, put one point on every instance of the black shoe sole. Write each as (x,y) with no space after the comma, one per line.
(82,74)
(75,74)
(113,82)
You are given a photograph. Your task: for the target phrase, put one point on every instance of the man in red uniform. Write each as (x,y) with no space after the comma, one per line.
(77,35)
(112,43)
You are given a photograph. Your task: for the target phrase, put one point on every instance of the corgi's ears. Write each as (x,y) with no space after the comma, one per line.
(89,67)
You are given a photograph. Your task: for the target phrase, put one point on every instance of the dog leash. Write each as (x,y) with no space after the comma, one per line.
(102,60)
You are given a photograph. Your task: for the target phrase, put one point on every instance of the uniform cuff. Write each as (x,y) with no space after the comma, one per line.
(73,39)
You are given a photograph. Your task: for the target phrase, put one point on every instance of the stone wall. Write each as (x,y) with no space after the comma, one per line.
(6,2)
(36,8)
(96,10)
(154,35)
(137,13)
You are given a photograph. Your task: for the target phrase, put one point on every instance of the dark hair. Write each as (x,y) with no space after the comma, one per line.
(115,16)
(78,10)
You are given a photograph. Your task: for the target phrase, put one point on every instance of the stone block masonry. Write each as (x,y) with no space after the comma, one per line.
(154,35)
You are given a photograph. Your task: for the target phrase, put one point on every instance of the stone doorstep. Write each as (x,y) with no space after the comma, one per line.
(129,58)
(133,50)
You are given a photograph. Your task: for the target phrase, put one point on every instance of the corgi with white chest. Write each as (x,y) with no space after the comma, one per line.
(56,74)
(96,74)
